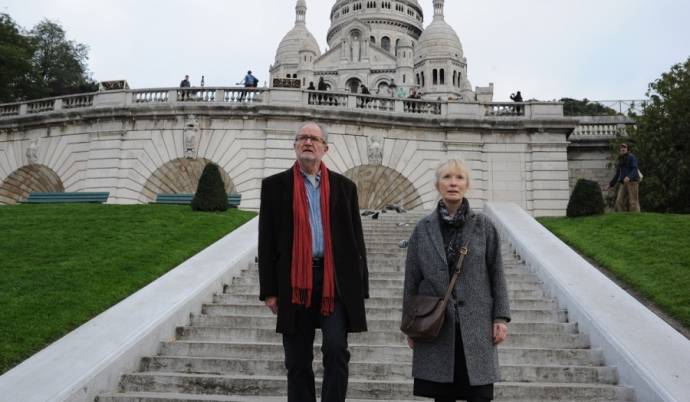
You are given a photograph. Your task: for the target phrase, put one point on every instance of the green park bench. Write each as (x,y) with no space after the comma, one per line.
(185,199)
(62,198)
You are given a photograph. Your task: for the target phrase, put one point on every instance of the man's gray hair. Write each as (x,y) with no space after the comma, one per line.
(322,128)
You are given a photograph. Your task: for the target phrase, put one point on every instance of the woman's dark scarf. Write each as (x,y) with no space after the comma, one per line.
(455,223)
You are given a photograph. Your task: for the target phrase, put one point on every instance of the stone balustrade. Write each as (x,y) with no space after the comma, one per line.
(284,97)
(505,109)
(601,127)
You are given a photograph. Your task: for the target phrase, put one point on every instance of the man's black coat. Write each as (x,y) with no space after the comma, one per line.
(275,248)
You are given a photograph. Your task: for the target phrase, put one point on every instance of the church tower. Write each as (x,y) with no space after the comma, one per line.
(439,61)
(297,51)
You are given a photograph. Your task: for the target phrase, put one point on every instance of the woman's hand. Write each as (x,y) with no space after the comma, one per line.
(500,332)
(410,342)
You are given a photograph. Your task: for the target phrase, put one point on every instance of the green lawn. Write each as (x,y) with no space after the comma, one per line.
(61,265)
(650,252)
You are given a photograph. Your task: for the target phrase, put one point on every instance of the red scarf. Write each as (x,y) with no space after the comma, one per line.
(301,270)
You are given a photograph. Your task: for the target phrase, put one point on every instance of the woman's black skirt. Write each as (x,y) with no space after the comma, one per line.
(460,388)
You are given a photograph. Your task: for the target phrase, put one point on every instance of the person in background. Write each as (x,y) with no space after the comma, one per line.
(517,97)
(249,81)
(462,361)
(627,178)
(184,94)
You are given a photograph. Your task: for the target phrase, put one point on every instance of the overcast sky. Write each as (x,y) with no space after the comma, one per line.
(548,49)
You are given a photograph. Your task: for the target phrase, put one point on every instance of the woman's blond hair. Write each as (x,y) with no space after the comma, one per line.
(449,164)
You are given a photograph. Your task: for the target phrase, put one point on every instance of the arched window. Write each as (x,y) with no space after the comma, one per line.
(442,77)
(386,43)
(459,79)
(404,78)
(423,81)
(434,74)
(372,39)
(454,78)
(397,43)
(418,82)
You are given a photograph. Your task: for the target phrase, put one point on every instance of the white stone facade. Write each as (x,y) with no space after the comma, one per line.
(133,144)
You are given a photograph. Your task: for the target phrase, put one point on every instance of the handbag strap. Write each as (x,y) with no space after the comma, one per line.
(458,266)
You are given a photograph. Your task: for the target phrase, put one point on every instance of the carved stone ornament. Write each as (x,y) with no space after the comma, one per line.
(375,150)
(32,152)
(191,136)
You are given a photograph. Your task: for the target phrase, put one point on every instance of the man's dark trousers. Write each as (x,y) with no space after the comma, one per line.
(299,350)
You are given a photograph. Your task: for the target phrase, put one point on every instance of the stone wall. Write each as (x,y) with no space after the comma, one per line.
(135,149)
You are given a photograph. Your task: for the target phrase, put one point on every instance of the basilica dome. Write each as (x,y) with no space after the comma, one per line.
(299,39)
(384,17)
(438,40)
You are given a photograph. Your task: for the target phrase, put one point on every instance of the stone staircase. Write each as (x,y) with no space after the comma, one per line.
(230,352)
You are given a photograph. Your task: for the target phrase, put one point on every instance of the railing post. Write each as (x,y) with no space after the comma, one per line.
(172,96)
(399,106)
(220,95)
(23,109)
(57,105)
(351,101)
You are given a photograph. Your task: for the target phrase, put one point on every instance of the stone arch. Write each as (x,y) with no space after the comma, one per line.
(180,176)
(28,179)
(378,186)
(353,84)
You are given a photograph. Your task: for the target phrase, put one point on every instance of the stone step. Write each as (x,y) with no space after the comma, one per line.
(389,302)
(265,321)
(388,290)
(522,282)
(375,313)
(372,371)
(511,275)
(381,354)
(195,333)
(512,294)
(176,397)
(277,385)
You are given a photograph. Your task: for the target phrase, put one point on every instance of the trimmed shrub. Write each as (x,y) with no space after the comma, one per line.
(210,194)
(586,199)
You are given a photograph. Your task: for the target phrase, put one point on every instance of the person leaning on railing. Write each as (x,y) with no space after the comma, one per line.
(184,94)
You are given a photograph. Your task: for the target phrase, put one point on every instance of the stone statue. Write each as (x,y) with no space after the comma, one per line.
(375,151)
(191,134)
(32,152)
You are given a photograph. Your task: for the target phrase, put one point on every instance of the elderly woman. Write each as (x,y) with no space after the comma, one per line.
(462,361)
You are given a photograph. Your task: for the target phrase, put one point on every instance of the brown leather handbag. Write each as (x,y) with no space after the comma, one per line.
(424,315)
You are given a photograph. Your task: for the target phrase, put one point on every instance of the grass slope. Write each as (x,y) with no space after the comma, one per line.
(650,252)
(61,265)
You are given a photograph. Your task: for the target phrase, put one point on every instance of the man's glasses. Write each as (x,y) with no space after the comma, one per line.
(303,138)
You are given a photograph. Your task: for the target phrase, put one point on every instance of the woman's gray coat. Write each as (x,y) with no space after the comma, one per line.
(481,297)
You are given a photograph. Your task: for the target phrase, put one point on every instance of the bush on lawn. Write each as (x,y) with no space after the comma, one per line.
(586,199)
(210,194)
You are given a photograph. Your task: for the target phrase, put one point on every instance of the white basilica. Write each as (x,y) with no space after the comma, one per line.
(381,44)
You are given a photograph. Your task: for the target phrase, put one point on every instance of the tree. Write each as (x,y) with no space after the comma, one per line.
(210,194)
(661,141)
(15,61)
(574,107)
(40,63)
(59,64)
(585,200)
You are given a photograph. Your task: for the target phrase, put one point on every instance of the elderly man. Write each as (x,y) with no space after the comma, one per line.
(312,265)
